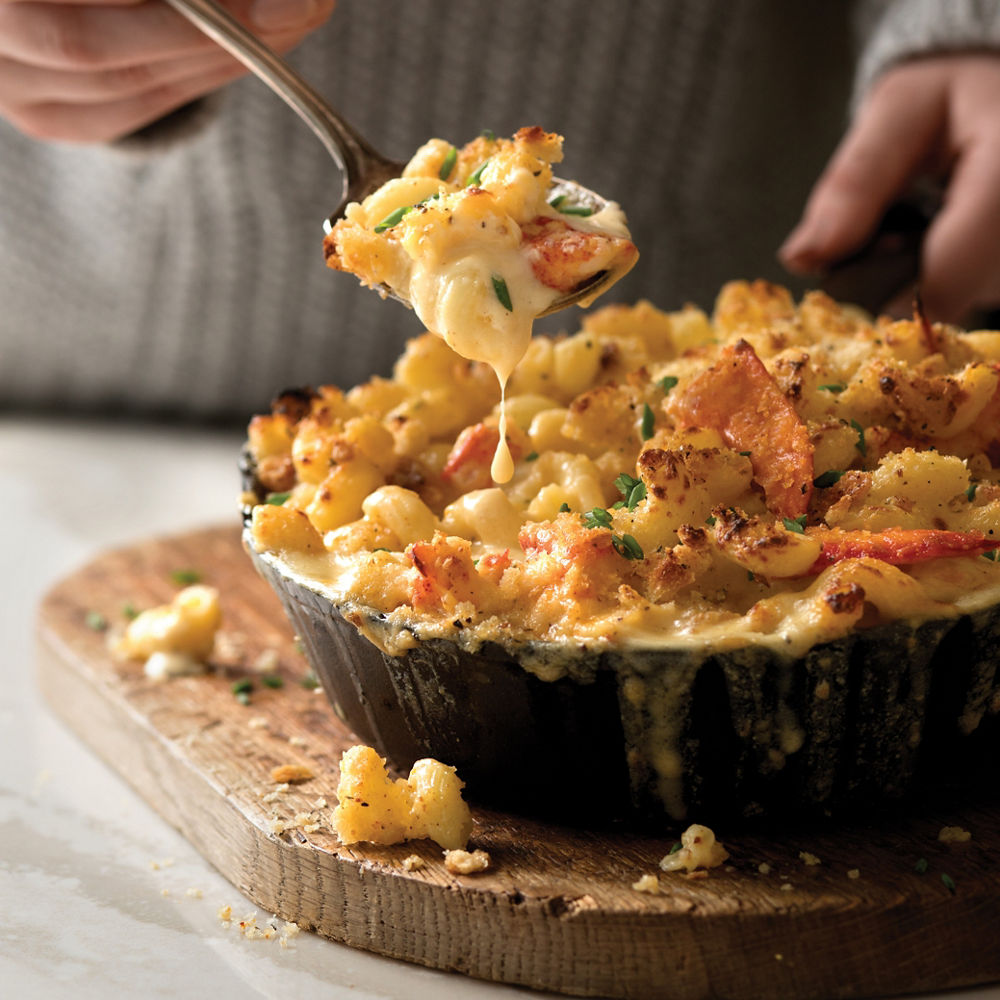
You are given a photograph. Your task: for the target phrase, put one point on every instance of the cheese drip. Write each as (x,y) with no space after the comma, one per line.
(459,300)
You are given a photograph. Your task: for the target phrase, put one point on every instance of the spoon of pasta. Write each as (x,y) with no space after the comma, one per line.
(364,169)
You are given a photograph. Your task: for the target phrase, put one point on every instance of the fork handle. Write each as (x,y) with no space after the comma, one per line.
(348,149)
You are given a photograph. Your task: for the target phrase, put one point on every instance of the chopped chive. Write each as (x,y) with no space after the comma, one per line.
(96,621)
(746,454)
(581,210)
(971,491)
(564,508)
(860,444)
(796,524)
(310,682)
(532,456)
(834,387)
(185,577)
(627,547)
(632,489)
(476,174)
(448,165)
(710,520)
(557,201)
(597,517)
(921,866)
(243,697)
(828,478)
(949,882)
(242,686)
(991,555)
(677,846)
(488,133)
(392,218)
(277,499)
(648,421)
(130,611)
(502,292)
(667,383)
(272,681)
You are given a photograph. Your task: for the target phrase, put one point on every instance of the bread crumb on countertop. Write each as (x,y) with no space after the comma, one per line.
(289,773)
(413,862)
(647,883)
(461,862)
(954,835)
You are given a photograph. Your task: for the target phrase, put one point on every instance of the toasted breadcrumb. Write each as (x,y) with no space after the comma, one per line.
(297,741)
(225,915)
(267,662)
(854,873)
(809,859)
(258,722)
(414,862)
(466,862)
(193,892)
(764,868)
(787,887)
(954,835)
(647,883)
(290,773)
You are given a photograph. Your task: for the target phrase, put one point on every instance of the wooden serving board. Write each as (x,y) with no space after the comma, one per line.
(556,910)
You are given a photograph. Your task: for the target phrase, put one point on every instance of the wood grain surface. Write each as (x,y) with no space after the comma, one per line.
(556,910)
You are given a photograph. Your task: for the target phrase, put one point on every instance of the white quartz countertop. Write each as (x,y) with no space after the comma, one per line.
(99,896)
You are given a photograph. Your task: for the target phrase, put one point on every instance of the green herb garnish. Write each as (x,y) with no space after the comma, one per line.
(557,201)
(597,517)
(277,499)
(272,681)
(648,421)
(633,490)
(746,454)
(488,133)
(949,882)
(564,508)
(242,686)
(991,555)
(860,443)
(921,866)
(710,520)
(827,478)
(532,456)
(502,292)
(185,577)
(677,846)
(833,387)
(96,621)
(392,218)
(130,611)
(627,547)
(667,383)
(796,524)
(971,491)
(476,174)
(581,210)
(310,682)
(448,164)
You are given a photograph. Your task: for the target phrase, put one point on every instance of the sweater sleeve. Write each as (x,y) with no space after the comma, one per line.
(900,29)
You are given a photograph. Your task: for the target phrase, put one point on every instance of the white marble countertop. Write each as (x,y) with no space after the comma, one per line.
(94,886)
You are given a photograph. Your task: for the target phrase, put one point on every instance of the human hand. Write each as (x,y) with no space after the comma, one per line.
(95,70)
(939,117)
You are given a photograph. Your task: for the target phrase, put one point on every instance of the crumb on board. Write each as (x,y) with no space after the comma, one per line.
(266,662)
(225,915)
(275,793)
(647,883)
(193,892)
(954,835)
(809,859)
(290,773)
(854,873)
(297,741)
(764,868)
(787,887)
(460,862)
(413,863)
(699,849)
(258,722)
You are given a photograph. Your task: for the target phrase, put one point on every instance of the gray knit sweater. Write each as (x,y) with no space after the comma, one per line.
(181,272)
